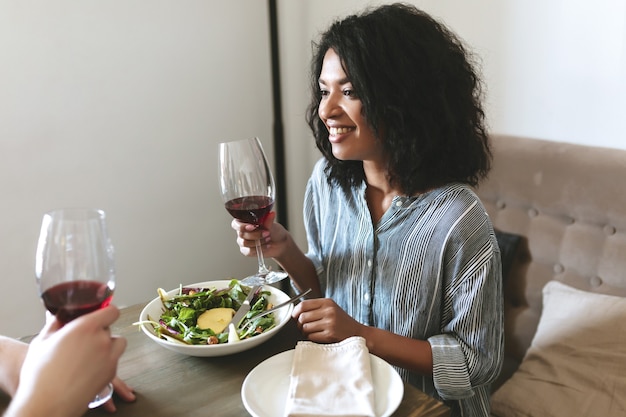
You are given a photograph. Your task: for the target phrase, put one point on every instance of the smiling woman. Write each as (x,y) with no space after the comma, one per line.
(390,213)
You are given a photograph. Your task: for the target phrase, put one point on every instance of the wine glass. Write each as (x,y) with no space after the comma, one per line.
(247,188)
(74,267)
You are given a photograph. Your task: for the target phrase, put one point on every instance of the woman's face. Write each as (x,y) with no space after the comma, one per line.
(340,109)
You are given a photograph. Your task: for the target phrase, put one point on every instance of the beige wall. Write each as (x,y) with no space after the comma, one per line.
(120,105)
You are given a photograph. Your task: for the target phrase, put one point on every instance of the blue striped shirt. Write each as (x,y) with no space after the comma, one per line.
(430,270)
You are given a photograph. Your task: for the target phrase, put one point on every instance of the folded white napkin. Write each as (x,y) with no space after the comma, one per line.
(331,380)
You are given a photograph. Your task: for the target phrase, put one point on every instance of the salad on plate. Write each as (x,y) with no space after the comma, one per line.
(200,316)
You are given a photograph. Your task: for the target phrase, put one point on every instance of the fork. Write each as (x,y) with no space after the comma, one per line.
(281,305)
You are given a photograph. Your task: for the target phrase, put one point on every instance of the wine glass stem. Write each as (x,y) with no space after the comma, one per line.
(259,253)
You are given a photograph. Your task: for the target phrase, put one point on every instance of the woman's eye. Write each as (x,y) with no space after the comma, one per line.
(323,93)
(349,93)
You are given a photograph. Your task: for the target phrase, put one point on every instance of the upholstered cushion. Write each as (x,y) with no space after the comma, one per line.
(568,203)
(576,364)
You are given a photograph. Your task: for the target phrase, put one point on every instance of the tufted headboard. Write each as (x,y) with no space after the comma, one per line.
(568,202)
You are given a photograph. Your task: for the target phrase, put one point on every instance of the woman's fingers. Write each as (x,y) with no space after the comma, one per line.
(269,220)
(122,391)
(322,320)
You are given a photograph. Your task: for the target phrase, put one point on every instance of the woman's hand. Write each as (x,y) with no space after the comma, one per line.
(273,237)
(321,320)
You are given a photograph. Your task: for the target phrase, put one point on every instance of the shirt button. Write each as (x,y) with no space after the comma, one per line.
(399,203)
(369,263)
(366,296)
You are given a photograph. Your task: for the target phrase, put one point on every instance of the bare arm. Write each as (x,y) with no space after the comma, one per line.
(299,267)
(405,352)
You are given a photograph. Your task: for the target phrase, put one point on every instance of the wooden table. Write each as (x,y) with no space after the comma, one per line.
(169,384)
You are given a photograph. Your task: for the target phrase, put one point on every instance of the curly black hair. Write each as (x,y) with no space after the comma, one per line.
(420,94)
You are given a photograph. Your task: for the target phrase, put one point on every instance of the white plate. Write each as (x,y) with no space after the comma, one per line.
(264,391)
(155,307)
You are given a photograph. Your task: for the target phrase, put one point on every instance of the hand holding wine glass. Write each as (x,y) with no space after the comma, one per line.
(74,267)
(247,188)
(65,364)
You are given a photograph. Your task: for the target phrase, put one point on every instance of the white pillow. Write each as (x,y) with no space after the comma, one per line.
(576,364)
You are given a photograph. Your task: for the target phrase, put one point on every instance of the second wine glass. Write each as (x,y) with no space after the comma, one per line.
(247,188)
(74,267)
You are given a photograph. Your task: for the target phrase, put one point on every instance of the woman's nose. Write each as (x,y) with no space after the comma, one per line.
(329,107)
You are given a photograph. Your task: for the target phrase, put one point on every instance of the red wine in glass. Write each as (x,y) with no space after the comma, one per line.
(72,299)
(251,209)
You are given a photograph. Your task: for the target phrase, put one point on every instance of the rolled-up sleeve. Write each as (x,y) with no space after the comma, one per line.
(450,373)
(468,352)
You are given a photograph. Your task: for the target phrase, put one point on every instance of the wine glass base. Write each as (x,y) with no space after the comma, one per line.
(102,397)
(262,279)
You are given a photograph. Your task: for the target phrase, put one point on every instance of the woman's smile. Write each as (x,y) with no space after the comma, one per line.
(337,134)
